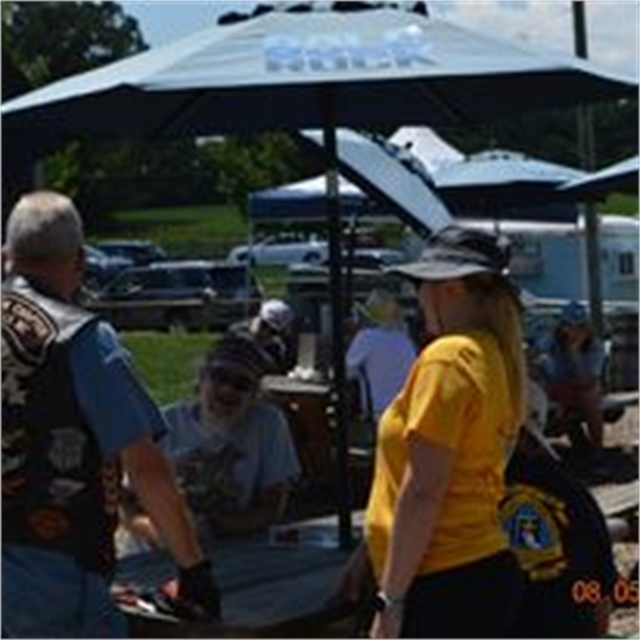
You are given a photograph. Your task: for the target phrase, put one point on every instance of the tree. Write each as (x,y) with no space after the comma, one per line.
(552,135)
(47,41)
(246,164)
(105,176)
(86,35)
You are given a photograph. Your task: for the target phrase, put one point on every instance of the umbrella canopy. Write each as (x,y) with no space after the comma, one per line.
(389,173)
(622,176)
(282,70)
(492,184)
(498,173)
(381,67)
(505,184)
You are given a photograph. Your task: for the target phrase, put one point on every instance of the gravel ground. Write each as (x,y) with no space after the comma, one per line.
(625,622)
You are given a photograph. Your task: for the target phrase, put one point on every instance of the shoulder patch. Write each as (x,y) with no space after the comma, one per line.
(534,521)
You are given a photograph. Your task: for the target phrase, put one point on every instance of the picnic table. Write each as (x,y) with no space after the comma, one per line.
(272,586)
(617,499)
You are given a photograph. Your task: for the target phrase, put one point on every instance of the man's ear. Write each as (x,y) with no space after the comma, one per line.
(6,261)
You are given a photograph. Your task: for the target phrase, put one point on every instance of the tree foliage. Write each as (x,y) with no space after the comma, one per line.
(553,135)
(247,164)
(52,40)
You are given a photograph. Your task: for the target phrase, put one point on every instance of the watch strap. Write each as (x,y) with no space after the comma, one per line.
(385,602)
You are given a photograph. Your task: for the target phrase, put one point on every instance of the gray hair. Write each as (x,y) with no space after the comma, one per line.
(44,225)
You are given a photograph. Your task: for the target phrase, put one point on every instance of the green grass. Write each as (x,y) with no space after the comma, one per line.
(167,363)
(185,232)
(619,203)
(273,279)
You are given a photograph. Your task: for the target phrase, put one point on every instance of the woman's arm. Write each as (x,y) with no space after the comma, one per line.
(423,487)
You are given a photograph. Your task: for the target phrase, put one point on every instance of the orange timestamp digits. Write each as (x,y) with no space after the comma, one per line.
(625,592)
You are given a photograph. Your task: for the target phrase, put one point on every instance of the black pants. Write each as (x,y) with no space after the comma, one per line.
(477,600)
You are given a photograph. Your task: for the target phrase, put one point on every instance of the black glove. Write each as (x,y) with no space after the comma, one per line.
(196,586)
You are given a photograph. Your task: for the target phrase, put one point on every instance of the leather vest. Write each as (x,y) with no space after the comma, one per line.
(58,491)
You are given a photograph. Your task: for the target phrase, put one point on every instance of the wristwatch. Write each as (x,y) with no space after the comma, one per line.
(383,602)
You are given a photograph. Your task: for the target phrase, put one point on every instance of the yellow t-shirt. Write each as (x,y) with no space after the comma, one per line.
(457,396)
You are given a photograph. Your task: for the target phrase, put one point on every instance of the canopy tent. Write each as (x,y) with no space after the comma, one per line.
(284,70)
(306,200)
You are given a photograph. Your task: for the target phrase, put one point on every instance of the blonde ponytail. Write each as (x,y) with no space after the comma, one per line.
(501,313)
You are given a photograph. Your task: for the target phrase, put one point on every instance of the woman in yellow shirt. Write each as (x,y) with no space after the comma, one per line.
(433,534)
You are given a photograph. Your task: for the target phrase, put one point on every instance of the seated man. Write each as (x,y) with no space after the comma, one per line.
(233,451)
(573,363)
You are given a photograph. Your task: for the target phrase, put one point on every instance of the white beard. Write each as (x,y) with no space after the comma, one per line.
(214,424)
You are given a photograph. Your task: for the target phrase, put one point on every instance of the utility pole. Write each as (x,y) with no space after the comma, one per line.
(586,148)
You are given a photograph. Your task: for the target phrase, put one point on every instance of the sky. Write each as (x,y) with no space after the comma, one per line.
(612,25)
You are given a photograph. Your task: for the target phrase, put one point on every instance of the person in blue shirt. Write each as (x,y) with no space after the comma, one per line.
(573,363)
(74,417)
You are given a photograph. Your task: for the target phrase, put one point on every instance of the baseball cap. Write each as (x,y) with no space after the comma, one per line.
(574,313)
(276,313)
(455,252)
(241,354)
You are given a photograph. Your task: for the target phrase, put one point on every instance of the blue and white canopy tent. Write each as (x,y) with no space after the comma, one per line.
(305,200)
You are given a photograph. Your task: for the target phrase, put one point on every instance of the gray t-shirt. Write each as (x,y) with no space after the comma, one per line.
(232,468)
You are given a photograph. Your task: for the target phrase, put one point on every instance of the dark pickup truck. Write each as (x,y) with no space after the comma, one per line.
(177,296)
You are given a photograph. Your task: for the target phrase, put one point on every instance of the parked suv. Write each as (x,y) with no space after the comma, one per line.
(184,295)
(101,268)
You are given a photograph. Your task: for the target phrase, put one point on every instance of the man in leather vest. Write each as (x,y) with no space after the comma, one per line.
(73,417)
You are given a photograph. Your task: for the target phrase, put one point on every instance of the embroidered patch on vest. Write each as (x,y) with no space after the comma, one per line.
(27,332)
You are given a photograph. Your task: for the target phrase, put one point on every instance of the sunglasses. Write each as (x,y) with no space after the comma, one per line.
(238,381)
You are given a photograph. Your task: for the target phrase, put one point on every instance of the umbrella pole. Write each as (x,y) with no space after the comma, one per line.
(338,381)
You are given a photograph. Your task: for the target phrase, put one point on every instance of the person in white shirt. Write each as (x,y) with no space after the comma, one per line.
(380,354)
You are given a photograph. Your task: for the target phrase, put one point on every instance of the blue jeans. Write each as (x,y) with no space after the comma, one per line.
(47,595)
